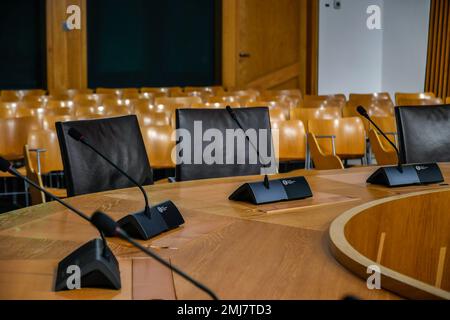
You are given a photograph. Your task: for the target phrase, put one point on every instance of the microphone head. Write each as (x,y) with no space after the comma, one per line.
(5,165)
(75,134)
(104,223)
(231,112)
(362,111)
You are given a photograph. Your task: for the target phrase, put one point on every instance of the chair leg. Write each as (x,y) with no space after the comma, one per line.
(27,200)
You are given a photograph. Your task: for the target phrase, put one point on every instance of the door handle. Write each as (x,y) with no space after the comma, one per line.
(244,55)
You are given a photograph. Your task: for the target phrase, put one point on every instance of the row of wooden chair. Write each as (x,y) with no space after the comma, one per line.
(329,142)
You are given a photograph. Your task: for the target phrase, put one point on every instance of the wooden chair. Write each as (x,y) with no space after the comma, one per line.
(399,96)
(47,157)
(282,105)
(109,91)
(155,92)
(143,106)
(10,96)
(282,93)
(32,92)
(84,109)
(38,197)
(129,95)
(343,137)
(33,98)
(241,96)
(14,135)
(163,91)
(322,113)
(385,154)
(321,160)
(24,111)
(419,102)
(184,101)
(375,108)
(312,101)
(364,97)
(216,105)
(7,110)
(447,100)
(277,114)
(389,127)
(152,118)
(60,107)
(159,145)
(72,92)
(213,90)
(240,100)
(168,109)
(290,141)
(85,98)
(113,107)
(48,121)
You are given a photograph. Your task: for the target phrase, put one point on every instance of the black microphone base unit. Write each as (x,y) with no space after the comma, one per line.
(163,217)
(410,174)
(97,265)
(279,190)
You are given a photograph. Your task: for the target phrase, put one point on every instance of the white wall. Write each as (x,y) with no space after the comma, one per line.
(350,55)
(353,58)
(405,43)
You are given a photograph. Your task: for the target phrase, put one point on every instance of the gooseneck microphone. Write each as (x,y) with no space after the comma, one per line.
(145,224)
(94,257)
(265,165)
(402,174)
(105,223)
(288,189)
(362,111)
(76,135)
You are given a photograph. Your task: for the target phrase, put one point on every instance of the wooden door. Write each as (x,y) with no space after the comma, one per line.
(270,44)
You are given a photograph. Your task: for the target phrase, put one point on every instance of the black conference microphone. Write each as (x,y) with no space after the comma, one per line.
(402,174)
(362,111)
(264,165)
(145,224)
(98,265)
(268,191)
(105,223)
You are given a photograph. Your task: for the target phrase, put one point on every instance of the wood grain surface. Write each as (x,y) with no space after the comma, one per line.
(238,250)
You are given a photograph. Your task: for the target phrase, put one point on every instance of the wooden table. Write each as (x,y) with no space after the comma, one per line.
(240,251)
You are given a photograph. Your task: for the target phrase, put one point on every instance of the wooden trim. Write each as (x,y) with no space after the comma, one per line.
(275,78)
(392,280)
(309,46)
(229,43)
(66,50)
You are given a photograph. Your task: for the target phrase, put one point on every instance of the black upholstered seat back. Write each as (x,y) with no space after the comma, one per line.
(424,133)
(219,119)
(117,138)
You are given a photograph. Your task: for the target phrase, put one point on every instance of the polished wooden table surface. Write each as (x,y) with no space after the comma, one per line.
(241,251)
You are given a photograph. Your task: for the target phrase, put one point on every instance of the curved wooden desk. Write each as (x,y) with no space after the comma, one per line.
(240,251)
(405,236)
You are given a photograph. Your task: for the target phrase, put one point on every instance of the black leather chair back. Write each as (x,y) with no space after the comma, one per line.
(250,118)
(117,138)
(424,133)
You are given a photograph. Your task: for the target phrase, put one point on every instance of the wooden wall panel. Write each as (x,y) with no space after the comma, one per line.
(438,66)
(66,49)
